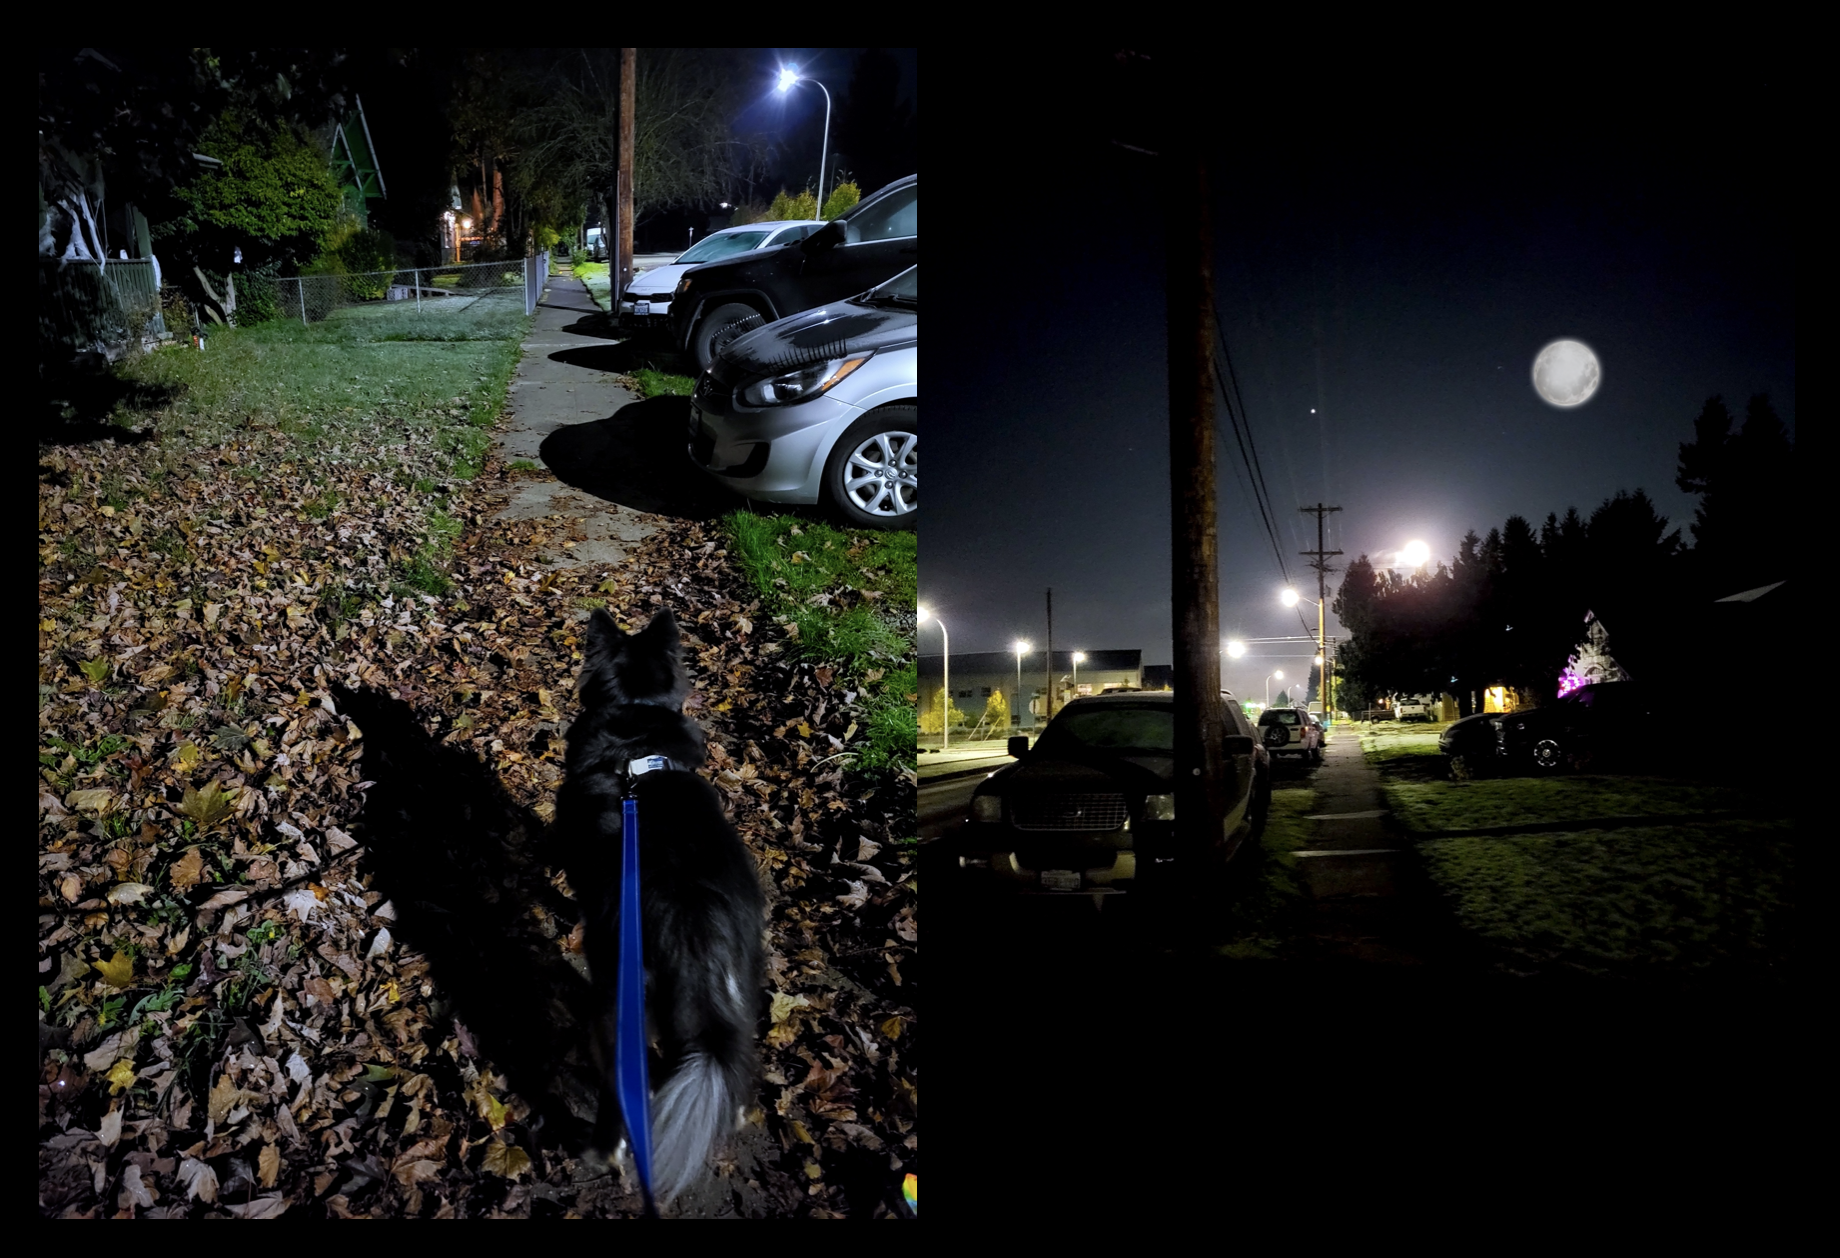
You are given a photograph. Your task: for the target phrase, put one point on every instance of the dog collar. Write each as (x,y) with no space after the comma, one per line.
(646,764)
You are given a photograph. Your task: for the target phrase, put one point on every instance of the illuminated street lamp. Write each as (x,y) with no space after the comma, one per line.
(1021,648)
(1079,657)
(1279,674)
(1290,598)
(945,668)
(788,76)
(1235,648)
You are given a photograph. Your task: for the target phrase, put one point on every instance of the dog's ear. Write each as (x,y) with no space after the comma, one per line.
(663,630)
(603,633)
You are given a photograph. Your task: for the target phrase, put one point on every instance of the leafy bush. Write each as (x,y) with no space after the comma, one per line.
(843,197)
(258,297)
(273,194)
(793,206)
(369,255)
(748,212)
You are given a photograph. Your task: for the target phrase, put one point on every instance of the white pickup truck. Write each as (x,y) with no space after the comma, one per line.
(1417,707)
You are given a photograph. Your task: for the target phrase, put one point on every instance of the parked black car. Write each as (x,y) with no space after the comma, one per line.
(1090,808)
(1610,725)
(875,241)
(1473,741)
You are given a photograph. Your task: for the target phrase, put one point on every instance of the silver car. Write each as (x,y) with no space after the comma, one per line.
(647,300)
(821,406)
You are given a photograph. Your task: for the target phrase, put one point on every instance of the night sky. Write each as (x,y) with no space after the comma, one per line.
(1397,267)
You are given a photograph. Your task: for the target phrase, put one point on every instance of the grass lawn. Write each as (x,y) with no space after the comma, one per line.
(600,284)
(1259,913)
(847,600)
(1680,901)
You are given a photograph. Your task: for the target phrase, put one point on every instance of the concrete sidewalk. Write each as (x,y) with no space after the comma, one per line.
(551,392)
(1368,904)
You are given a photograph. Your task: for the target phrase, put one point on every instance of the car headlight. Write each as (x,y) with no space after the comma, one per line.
(683,286)
(987,808)
(1159,808)
(801,385)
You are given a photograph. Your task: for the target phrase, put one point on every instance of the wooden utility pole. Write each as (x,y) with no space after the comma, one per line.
(1188,248)
(1319,560)
(623,260)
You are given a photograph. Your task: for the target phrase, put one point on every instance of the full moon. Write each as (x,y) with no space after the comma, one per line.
(1566,373)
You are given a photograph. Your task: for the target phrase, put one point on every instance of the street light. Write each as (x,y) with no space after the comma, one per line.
(790,75)
(1235,648)
(1290,598)
(1279,674)
(1079,657)
(1021,648)
(945,668)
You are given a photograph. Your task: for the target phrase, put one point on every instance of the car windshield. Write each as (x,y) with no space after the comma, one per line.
(1151,729)
(725,245)
(902,290)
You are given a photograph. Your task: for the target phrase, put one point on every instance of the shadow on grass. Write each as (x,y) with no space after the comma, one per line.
(461,861)
(77,407)
(637,458)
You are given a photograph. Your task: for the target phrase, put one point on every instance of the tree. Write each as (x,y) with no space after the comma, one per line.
(686,153)
(940,705)
(1283,700)
(274,196)
(875,128)
(996,711)
(1742,480)
(124,123)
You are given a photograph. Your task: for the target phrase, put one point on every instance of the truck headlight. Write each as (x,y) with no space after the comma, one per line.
(1159,808)
(987,808)
(800,385)
(683,286)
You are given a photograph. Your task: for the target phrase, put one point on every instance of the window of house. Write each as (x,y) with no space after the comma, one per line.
(986,693)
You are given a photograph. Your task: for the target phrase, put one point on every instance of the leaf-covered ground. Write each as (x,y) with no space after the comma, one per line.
(301,945)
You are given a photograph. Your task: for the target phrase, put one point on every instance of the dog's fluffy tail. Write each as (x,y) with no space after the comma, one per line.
(693,1110)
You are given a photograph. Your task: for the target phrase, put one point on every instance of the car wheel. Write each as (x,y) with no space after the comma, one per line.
(718,328)
(1276,737)
(1548,755)
(871,477)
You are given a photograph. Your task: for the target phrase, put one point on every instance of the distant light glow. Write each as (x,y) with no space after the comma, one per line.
(1279,674)
(1288,598)
(1235,648)
(1021,647)
(788,75)
(1415,555)
(1079,657)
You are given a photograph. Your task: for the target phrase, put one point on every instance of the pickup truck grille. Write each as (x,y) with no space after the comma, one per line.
(1068,812)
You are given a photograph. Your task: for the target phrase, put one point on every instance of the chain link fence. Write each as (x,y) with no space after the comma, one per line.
(468,293)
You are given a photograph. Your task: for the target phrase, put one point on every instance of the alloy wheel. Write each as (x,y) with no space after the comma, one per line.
(881,477)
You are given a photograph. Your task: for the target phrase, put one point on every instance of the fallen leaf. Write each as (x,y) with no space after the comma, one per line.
(891,1027)
(90,801)
(268,1165)
(224,1096)
(129,892)
(783,1005)
(187,871)
(121,1077)
(506,1160)
(856,896)
(199,1179)
(109,1129)
(208,806)
(117,971)
(132,1186)
(270,1206)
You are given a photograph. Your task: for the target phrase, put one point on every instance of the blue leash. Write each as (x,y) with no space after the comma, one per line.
(631,1085)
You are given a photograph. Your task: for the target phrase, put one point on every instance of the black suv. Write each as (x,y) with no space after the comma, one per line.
(1614,724)
(874,242)
(1090,808)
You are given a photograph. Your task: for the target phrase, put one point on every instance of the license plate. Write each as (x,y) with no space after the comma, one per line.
(642,308)
(1060,879)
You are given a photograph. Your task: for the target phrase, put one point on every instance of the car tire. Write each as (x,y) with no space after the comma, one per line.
(1549,755)
(717,328)
(855,482)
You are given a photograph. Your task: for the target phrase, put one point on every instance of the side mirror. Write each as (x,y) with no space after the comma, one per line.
(826,237)
(1237,745)
(1019,745)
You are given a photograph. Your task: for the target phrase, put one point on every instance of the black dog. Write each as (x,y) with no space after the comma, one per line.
(699,893)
